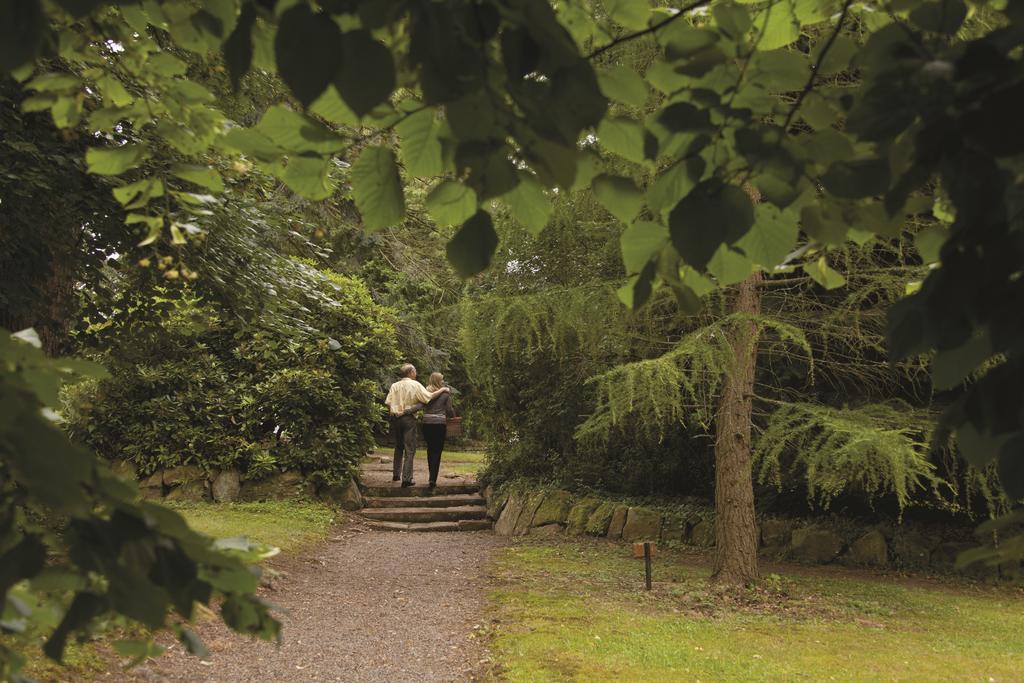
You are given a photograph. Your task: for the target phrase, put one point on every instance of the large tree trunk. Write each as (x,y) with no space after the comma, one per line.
(735,524)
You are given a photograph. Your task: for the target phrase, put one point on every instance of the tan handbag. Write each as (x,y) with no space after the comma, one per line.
(454,425)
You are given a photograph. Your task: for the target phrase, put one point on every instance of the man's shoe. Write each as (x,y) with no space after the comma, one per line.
(396,479)
(408,483)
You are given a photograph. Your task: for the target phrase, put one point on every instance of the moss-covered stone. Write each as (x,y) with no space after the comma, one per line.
(912,550)
(506,523)
(347,496)
(529,511)
(226,486)
(673,529)
(554,509)
(182,474)
(600,518)
(495,502)
(815,545)
(191,491)
(642,524)
(870,550)
(703,533)
(580,514)
(618,521)
(284,486)
(775,533)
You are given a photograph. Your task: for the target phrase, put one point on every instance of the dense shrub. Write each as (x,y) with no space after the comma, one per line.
(192,384)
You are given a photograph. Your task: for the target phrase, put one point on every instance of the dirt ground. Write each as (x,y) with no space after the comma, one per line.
(366,606)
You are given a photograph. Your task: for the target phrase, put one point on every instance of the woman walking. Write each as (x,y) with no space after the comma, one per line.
(435,424)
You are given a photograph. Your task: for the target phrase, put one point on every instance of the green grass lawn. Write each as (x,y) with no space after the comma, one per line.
(577,612)
(462,462)
(289,525)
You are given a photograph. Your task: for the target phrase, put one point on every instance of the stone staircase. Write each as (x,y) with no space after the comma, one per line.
(452,507)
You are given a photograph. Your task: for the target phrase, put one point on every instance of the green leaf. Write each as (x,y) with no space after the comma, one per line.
(308,51)
(309,176)
(451,203)
(55,82)
(528,204)
(194,645)
(729,266)
(732,19)
(638,288)
(138,650)
(683,117)
(619,195)
(204,176)
(471,249)
(838,57)
(713,213)
(674,184)
(929,243)
(781,70)
(238,48)
(952,366)
(777,25)
(622,136)
(978,448)
(823,274)
(377,188)
(940,16)
(640,242)
(22,26)
(421,144)
(857,179)
(84,608)
(622,84)
(367,73)
(297,133)
(331,107)
(136,195)
(772,237)
(167,65)
(114,160)
(631,14)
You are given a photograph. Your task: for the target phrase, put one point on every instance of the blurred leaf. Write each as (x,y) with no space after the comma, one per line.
(471,249)
(619,195)
(451,203)
(377,188)
(528,203)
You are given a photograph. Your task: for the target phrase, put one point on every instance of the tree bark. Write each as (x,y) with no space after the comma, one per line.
(735,560)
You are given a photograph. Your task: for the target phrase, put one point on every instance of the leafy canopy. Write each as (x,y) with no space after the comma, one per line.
(879,102)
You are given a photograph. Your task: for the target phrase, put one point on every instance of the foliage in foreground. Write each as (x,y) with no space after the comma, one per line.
(76,544)
(578,611)
(504,97)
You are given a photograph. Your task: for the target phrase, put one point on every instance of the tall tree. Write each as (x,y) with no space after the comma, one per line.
(736,540)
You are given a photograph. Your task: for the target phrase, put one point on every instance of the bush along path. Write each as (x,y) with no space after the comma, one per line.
(368,605)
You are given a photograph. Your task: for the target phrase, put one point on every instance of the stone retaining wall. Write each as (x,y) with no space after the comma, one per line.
(190,483)
(808,541)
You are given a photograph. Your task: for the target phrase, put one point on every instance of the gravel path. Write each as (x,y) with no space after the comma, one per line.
(366,606)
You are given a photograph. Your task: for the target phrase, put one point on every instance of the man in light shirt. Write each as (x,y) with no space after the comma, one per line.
(404,398)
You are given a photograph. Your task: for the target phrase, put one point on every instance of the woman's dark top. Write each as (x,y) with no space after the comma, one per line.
(439,410)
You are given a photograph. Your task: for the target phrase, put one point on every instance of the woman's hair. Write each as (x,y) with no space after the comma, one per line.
(436,381)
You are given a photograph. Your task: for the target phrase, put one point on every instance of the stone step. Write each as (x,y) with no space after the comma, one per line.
(396,491)
(461,525)
(425,514)
(423,501)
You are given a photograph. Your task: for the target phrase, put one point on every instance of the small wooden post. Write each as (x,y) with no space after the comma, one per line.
(647,565)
